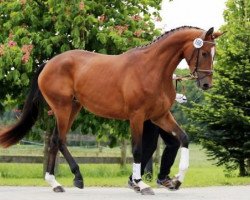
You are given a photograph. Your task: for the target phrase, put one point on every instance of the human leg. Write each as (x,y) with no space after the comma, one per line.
(169,154)
(167,159)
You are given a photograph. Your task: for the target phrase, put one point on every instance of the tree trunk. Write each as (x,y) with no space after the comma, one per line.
(99,146)
(242,168)
(123,152)
(248,166)
(45,151)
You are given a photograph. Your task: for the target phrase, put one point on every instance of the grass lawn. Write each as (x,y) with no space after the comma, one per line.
(201,171)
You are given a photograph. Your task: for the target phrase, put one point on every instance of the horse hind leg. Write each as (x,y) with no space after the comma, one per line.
(64,118)
(78,180)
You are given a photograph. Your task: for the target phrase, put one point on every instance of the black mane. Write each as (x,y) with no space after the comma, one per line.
(167,33)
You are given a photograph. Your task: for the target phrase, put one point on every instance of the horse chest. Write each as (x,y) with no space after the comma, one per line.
(161,104)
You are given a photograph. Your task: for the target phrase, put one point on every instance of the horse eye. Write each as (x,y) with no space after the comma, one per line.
(204,54)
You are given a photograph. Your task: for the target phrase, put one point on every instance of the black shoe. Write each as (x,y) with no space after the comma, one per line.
(166,183)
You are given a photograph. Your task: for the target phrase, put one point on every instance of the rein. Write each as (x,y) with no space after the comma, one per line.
(183,78)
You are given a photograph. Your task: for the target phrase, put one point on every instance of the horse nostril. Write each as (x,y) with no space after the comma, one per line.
(205,86)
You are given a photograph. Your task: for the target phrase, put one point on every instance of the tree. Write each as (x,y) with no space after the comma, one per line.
(33,31)
(224,115)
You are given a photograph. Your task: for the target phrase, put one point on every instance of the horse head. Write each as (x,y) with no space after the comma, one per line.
(200,56)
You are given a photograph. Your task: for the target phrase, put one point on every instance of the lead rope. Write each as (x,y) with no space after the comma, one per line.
(183,88)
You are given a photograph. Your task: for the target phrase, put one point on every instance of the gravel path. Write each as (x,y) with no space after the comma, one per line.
(97,193)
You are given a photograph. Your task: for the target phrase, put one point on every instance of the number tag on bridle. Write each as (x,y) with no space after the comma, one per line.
(198,43)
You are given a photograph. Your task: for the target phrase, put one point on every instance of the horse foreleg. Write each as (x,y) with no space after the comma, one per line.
(136,125)
(168,123)
(53,150)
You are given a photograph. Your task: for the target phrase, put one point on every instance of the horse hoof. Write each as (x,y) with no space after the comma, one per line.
(147,191)
(58,189)
(133,186)
(177,185)
(78,184)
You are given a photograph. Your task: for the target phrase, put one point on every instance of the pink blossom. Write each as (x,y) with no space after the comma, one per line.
(50,112)
(138,33)
(121,29)
(102,18)
(136,18)
(12,43)
(81,5)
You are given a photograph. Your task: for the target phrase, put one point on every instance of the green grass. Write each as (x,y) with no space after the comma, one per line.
(201,171)
(34,150)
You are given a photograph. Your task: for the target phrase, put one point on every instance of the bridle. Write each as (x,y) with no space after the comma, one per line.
(198,43)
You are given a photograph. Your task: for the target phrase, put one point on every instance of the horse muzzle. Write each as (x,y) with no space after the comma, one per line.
(206,86)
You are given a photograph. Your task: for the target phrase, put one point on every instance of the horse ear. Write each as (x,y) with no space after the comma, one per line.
(217,34)
(209,32)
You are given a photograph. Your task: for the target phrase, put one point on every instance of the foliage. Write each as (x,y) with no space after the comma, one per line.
(33,31)
(224,115)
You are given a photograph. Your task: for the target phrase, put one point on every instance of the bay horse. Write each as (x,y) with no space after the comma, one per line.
(136,86)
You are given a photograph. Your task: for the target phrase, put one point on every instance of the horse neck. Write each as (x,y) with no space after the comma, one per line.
(167,54)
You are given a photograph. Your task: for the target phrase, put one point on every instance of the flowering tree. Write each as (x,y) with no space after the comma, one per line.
(33,31)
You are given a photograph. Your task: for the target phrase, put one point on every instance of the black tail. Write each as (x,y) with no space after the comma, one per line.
(29,115)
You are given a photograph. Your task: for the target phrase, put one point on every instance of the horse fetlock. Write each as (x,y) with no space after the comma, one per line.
(79,183)
(51,180)
(136,171)
(76,170)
